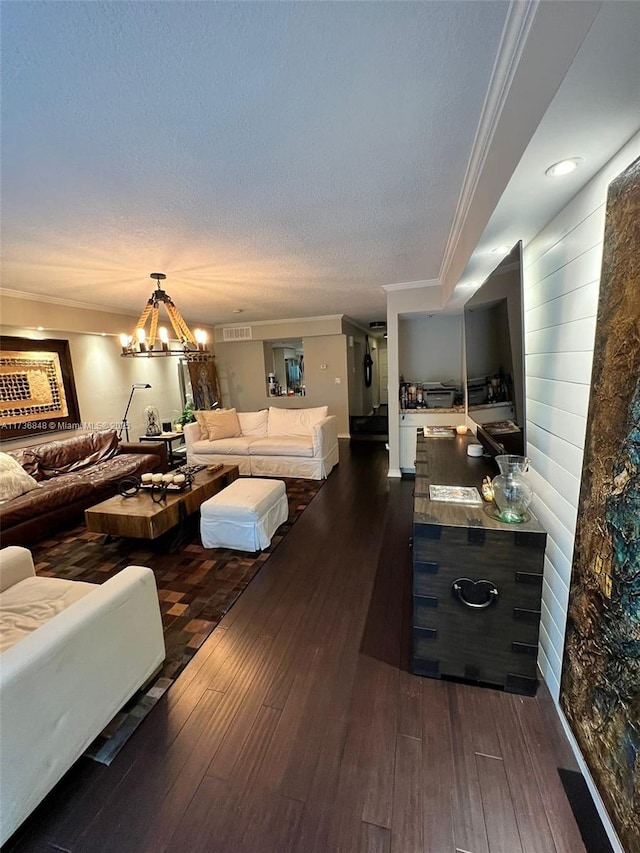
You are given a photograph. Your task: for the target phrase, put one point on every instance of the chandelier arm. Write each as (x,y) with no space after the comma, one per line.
(179,324)
(154,326)
(143,317)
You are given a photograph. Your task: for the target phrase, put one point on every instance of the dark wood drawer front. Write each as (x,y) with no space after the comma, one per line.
(479,550)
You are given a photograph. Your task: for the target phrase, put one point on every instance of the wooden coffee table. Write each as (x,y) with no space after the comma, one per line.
(140,518)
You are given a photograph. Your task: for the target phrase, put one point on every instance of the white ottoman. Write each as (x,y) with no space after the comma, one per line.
(245,515)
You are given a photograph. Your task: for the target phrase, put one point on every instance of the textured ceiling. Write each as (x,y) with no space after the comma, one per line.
(287,159)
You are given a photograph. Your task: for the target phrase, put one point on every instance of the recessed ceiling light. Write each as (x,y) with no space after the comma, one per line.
(563,167)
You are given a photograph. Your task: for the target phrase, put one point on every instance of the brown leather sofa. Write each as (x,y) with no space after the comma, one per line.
(72,474)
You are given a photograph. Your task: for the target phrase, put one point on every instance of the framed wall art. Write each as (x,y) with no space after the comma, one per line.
(37,389)
(204,383)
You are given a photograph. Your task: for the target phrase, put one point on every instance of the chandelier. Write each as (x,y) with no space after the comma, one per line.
(192,345)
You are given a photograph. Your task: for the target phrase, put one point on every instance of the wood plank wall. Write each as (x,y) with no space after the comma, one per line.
(562,267)
(561,282)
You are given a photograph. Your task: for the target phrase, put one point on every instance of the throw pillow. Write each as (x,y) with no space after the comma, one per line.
(253,423)
(220,423)
(204,432)
(295,421)
(14,480)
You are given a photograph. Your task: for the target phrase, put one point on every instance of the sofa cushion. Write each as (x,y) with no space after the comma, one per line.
(14,480)
(294,421)
(31,603)
(122,465)
(50,495)
(254,423)
(220,423)
(76,452)
(88,486)
(289,445)
(237,446)
(27,459)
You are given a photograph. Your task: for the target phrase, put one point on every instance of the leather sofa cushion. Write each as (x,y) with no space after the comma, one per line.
(290,445)
(27,459)
(14,480)
(75,452)
(89,486)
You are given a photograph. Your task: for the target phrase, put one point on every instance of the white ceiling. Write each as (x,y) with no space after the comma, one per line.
(290,159)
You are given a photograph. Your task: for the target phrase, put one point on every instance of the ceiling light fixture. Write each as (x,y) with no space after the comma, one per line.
(193,345)
(563,167)
(501,250)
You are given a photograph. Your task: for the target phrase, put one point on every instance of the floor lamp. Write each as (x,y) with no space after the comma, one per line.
(125,424)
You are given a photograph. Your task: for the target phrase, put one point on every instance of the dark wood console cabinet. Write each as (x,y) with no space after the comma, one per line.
(477,581)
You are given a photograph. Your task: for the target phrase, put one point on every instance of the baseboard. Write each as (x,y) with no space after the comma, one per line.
(614,841)
(585,812)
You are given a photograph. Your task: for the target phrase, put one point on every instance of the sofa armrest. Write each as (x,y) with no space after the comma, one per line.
(325,436)
(191,433)
(63,683)
(157,448)
(16,564)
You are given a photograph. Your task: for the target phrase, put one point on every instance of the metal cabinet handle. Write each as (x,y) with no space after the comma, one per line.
(457,588)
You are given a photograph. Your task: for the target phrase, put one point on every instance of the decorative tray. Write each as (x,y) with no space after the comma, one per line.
(455,494)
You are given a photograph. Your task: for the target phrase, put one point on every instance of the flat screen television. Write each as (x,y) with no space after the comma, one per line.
(494,352)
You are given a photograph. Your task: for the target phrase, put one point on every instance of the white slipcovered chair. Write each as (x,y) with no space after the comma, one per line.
(72,654)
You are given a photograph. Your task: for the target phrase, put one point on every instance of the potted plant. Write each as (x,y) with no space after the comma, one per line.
(187,417)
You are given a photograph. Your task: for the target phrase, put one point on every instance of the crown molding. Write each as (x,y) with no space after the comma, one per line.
(66,303)
(520,17)
(412,285)
(279,322)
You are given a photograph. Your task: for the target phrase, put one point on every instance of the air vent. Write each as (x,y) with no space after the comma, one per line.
(237,333)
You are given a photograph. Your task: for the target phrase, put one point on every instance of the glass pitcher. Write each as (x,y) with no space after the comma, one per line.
(511,490)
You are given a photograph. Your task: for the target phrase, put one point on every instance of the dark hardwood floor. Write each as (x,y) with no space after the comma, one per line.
(298,726)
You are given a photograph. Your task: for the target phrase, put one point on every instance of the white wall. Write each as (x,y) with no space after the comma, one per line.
(561,284)
(400,304)
(430,348)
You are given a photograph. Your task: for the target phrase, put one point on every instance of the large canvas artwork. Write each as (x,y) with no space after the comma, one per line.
(204,383)
(37,390)
(600,691)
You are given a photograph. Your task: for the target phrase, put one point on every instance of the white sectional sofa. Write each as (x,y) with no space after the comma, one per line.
(72,654)
(273,442)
